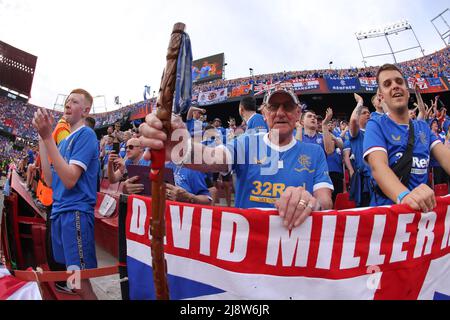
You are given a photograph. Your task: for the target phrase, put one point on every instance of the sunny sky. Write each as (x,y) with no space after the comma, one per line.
(114,48)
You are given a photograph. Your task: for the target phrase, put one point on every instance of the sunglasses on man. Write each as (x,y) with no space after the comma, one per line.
(131,147)
(287,106)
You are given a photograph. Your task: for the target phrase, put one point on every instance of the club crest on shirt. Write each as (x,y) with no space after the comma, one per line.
(305,164)
(423,137)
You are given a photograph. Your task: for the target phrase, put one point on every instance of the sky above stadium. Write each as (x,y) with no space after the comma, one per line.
(115,48)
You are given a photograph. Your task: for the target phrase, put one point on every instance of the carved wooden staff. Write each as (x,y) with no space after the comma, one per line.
(164,113)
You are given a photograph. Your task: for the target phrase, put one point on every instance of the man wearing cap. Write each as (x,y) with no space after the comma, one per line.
(273,170)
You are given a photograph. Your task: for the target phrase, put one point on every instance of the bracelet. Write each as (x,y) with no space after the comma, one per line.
(402,195)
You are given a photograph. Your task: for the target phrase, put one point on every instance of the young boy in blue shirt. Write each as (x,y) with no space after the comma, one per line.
(73,177)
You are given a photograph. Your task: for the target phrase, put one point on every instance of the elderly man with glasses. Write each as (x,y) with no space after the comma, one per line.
(273,170)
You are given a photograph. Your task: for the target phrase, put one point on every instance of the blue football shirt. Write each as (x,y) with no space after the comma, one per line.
(190,180)
(376,114)
(264,170)
(383,134)
(79,148)
(356,144)
(256,124)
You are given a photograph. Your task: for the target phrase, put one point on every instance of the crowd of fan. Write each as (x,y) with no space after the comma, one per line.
(434,65)
(7,151)
(435,116)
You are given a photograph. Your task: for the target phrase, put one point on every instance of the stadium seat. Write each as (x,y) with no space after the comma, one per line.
(343,202)
(441,190)
(106,228)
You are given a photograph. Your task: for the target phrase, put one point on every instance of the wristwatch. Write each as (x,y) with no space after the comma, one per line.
(192,199)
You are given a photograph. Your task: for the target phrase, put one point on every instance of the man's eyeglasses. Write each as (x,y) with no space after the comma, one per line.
(287,106)
(131,147)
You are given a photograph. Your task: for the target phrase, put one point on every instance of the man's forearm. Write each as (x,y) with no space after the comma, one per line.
(113,176)
(201,199)
(441,153)
(328,140)
(338,142)
(45,165)
(206,159)
(387,181)
(348,163)
(65,172)
(354,120)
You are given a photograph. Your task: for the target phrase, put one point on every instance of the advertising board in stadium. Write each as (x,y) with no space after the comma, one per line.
(229,253)
(208,69)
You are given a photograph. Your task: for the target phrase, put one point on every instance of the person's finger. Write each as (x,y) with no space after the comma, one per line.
(177,122)
(420,200)
(133,179)
(431,198)
(155,144)
(427,194)
(149,131)
(291,208)
(169,186)
(137,190)
(282,203)
(429,203)
(306,213)
(302,206)
(412,203)
(153,121)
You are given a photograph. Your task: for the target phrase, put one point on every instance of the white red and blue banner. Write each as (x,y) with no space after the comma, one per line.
(369,84)
(263,88)
(12,288)
(303,85)
(428,85)
(343,84)
(229,253)
(212,97)
(421,82)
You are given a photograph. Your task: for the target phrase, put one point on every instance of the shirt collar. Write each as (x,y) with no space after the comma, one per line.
(278,148)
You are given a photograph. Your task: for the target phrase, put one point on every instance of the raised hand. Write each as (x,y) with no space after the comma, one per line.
(358,98)
(43,122)
(328,116)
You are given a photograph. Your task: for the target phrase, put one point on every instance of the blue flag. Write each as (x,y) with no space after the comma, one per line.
(183,87)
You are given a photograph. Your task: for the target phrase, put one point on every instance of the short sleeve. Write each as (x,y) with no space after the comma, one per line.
(321,176)
(373,139)
(85,149)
